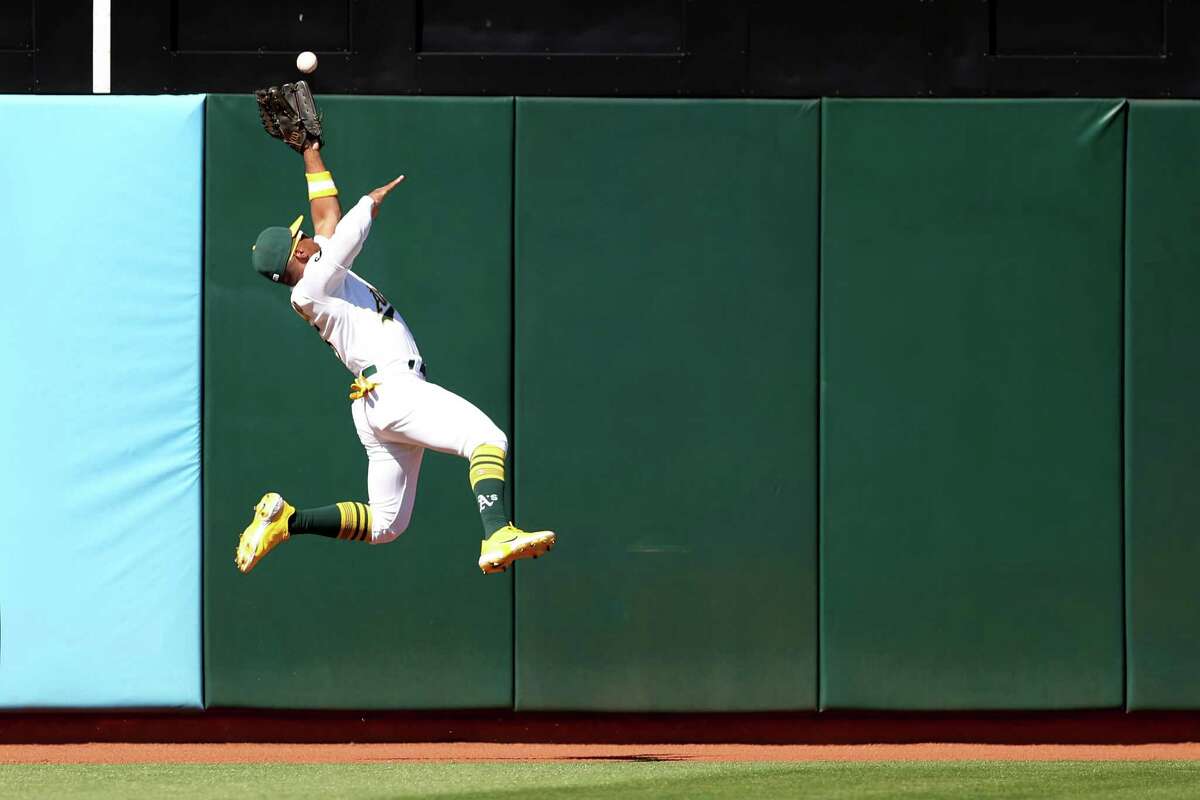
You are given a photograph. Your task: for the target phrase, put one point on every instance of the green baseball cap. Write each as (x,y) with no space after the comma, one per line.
(274,248)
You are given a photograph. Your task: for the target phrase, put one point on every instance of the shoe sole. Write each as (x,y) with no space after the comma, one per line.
(529,549)
(264,520)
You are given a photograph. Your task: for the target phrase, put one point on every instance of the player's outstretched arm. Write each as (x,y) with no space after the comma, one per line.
(379,194)
(322,197)
(351,231)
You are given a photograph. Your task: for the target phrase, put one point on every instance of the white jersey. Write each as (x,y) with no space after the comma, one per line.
(350,314)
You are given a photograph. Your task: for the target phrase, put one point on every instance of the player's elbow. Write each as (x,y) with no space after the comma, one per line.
(326,224)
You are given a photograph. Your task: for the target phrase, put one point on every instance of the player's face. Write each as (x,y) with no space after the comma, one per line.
(305,249)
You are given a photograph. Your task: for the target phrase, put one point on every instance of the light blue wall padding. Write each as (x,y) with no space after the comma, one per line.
(100,260)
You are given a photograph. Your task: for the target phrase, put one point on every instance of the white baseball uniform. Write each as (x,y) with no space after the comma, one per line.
(404,414)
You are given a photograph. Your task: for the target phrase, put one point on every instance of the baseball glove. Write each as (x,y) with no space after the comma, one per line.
(288,113)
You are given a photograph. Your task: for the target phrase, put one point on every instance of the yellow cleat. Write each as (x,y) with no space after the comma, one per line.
(510,543)
(268,528)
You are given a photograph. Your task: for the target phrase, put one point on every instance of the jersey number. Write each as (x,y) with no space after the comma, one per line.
(382,306)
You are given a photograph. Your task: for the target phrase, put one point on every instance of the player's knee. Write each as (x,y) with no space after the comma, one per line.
(490,435)
(388,534)
(399,523)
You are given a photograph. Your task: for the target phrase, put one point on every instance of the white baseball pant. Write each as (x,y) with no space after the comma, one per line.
(396,422)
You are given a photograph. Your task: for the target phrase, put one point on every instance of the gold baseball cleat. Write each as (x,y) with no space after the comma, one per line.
(268,528)
(510,543)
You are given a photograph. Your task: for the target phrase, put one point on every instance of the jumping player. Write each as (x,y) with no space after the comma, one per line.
(397,412)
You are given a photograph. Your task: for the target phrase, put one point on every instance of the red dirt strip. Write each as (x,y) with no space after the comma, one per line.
(256,753)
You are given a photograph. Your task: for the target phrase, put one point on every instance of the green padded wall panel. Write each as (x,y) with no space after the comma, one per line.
(1163,405)
(666,403)
(970,419)
(321,623)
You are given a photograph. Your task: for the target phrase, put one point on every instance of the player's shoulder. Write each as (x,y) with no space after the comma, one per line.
(300,297)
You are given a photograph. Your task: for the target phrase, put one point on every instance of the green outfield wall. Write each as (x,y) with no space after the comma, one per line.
(1162,399)
(970,417)
(852,404)
(843,404)
(328,624)
(666,326)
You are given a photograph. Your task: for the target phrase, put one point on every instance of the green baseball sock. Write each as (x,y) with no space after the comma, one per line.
(487,481)
(351,521)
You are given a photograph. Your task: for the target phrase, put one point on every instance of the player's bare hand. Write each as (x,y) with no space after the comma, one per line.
(379,194)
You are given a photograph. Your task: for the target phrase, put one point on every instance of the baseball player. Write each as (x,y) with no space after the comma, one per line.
(397,412)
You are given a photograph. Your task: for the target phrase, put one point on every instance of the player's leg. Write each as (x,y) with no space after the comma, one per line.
(414,411)
(391,481)
(392,472)
(392,486)
(347,519)
(424,414)
(275,521)
(391,477)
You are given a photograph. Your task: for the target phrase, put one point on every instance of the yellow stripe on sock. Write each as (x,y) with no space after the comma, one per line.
(348,514)
(486,461)
(485,473)
(345,513)
(488,450)
(478,473)
(364,531)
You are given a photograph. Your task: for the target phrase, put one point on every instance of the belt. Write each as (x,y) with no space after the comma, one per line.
(362,385)
(415,364)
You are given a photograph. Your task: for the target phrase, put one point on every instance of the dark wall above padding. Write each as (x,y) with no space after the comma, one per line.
(668,48)
(551,26)
(202,26)
(1079,27)
(45,46)
(16,26)
(852,47)
(364,46)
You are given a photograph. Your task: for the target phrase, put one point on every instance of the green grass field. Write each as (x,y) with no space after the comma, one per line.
(609,779)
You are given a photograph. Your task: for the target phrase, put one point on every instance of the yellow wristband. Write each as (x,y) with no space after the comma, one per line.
(320,184)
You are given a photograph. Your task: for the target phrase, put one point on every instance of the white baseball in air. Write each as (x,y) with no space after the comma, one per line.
(306,62)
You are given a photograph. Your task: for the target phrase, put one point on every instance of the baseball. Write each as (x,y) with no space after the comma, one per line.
(306,62)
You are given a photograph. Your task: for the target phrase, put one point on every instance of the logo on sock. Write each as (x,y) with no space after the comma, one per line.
(487,500)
